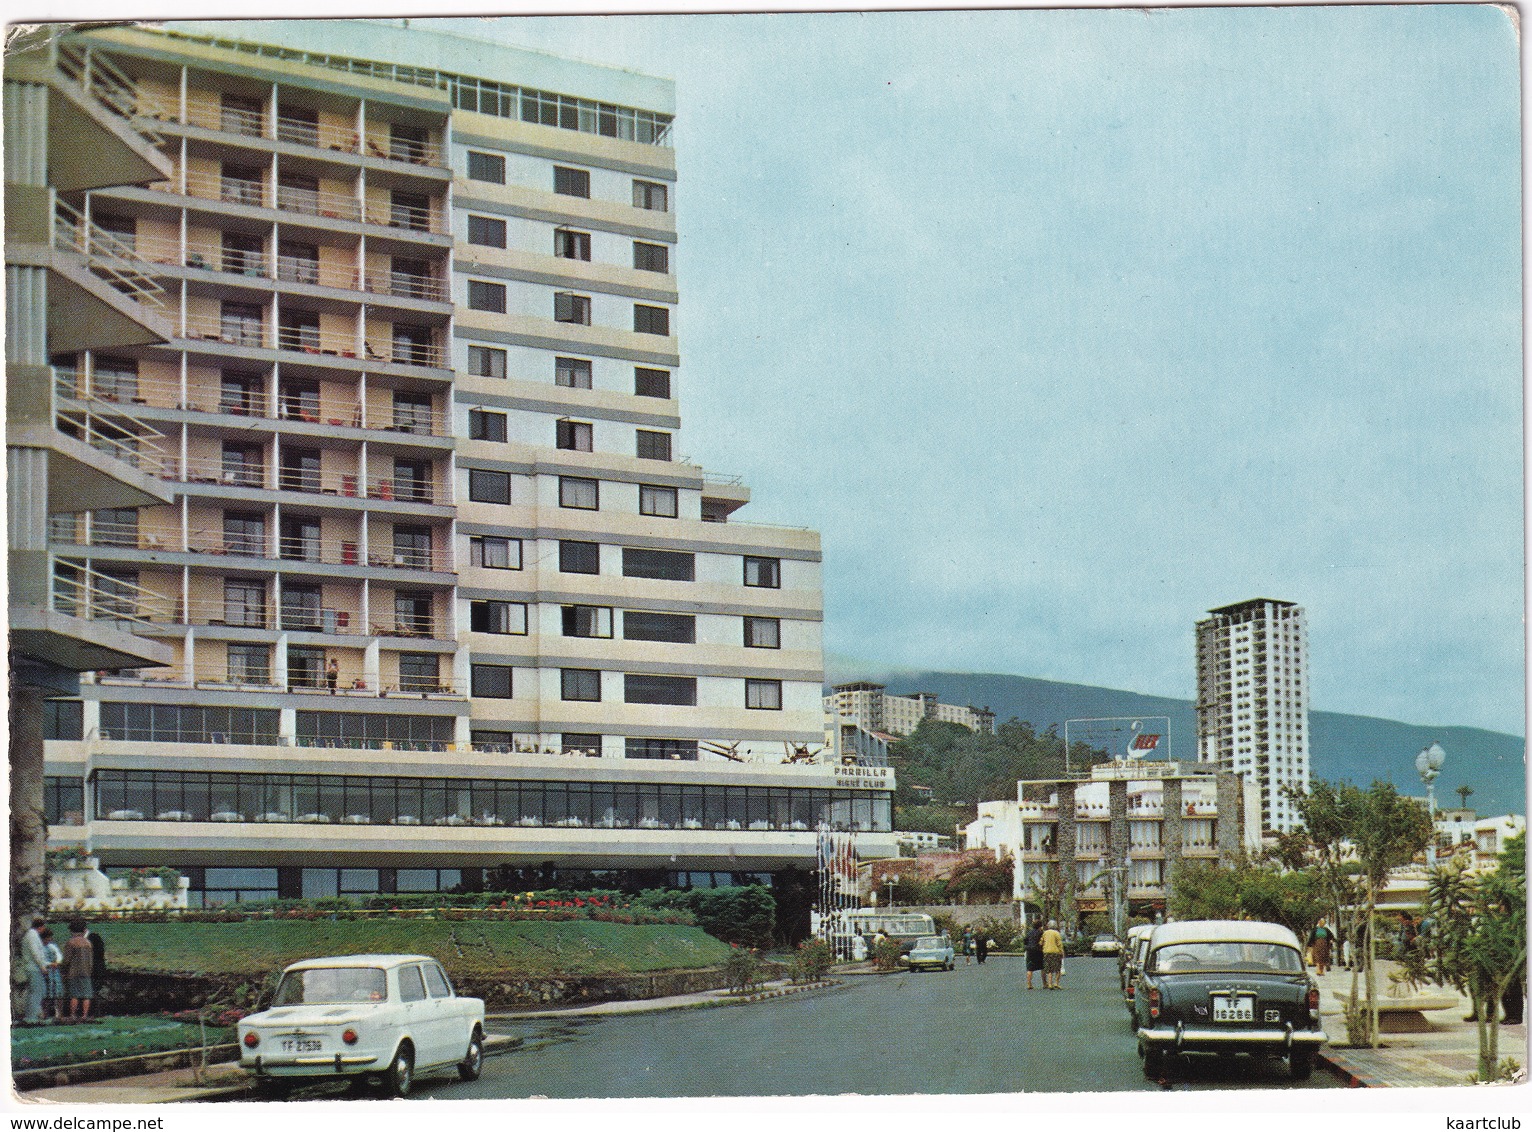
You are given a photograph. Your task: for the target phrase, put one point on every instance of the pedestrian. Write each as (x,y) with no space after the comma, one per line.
(98,964)
(1053,956)
(79,958)
(53,992)
(1319,941)
(332,674)
(967,946)
(1034,948)
(35,956)
(981,946)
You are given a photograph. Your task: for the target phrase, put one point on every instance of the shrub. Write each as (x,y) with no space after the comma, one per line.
(742,966)
(811,960)
(1003,932)
(745,916)
(886,953)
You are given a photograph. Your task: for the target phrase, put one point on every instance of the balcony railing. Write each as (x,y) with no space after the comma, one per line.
(105,424)
(403,216)
(229,473)
(111,87)
(406,149)
(80,591)
(113,259)
(232,331)
(404,286)
(319,135)
(304,618)
(318,202)
(402,491)
(404,353)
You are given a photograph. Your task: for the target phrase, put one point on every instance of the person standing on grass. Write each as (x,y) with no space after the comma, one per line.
(35,956)
(1053,956)
(79,960)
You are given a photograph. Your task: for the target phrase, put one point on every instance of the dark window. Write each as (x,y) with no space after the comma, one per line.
(412,480)
(492,680)
(410,210)
(486,231)
(115,526)
(412,547)
(579,743)
(675,628)
(651,195)
(653,445)
(569,307)
(298,124)
(242,184)
(651,382)
(239,324)
(660,501)
(63,798)
(649,689)
(246,255)
(296,263)
(581,684)
(116,379)
(489,487)
(485,425)
(587,621)
(238,115)
(579,557)
(571,182)
(242,465)
(413,413)
(486,167)
(763,694)
(172,723)
(244,603)
(297,330)
(486,361)
(408,143)
(495,553)
(572,373)
(484,296)
(419,672)
(240,394)
(764,572)
(299,400)
(650,320)
(305,667)
(579,493)
(497,617)
(297,193)
(667,565)
(651,257)
(249,664)
(684,749)
(63,719)
(569,244)
(763,633)
(573,435)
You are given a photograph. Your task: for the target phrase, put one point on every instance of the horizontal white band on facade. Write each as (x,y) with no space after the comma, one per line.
(395,703)
(657,171)
(649,542)
(567,281)
(565,408)
(657,477)
(644,604)
(563,217)
(563,345)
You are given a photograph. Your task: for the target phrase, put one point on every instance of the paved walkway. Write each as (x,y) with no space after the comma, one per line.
(1444,1054)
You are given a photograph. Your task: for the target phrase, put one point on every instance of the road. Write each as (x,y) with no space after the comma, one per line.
(973,1030)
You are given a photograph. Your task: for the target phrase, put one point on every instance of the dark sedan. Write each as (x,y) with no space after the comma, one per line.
(1226,986)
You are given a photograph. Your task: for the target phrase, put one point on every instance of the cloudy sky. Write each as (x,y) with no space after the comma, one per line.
(1065,326)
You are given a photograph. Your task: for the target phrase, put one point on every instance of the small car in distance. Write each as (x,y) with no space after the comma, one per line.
(1226,986)
(932,951)
(387,1018)
(1105,944)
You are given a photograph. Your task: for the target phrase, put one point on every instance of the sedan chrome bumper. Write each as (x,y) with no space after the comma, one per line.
(1181,1036)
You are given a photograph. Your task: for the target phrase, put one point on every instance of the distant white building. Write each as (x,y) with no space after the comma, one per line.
(862,719)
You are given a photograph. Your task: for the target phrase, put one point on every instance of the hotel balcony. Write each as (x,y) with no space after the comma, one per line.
(90,621)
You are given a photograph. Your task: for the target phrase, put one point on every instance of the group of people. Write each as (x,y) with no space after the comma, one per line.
(1045,953)
(61,982)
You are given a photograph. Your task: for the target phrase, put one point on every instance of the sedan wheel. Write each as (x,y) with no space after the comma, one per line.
(472,1065)
(1154,1063)
(1300,1064)
(400,1077)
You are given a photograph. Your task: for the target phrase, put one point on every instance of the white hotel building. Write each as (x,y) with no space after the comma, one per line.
(438,591)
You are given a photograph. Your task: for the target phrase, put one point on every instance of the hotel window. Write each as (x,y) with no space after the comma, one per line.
(242,184)
(587,621)
(412,547)
(249,664)
(572,373)
(486,231)
(651,382)
(486,167)
(665,565)
(651,195)
(489,487)
(685,749)
(763,572)
(678,691)
(765,695)
(419,672)
(408,143)
(583,684)
(650,320)
(651,257)
(569,244)
(298,124)
(574,436)
(486,361)
(569,307)
(659,501)
(238,115)
(244,532)
(497,617)
(239,324)
(495,553)
(244,603)
(653,445)
(492,681)
(571,182)
(579,557)
(485,425)
(484,296)
(672,628)
(296,262)
(410,210)
(116,379)
(581,494)
(578,743)
(763,633)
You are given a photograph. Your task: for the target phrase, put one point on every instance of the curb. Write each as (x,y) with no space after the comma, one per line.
(661,1006)
(107,1069)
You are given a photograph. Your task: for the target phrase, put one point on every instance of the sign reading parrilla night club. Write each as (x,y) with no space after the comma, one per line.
(867,777)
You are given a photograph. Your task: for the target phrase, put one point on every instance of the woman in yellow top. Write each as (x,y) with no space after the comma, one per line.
(1053,955)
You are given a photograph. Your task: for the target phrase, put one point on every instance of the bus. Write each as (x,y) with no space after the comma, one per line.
(905,927)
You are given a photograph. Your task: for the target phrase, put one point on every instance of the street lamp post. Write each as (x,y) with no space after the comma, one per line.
(1429,765)
(891,880)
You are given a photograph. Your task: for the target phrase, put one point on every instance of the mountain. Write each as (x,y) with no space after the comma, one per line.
(1354,748)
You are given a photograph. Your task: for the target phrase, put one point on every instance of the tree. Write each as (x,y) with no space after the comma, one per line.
(1478,938)
(1464,792)
(982,880)
(1254,890)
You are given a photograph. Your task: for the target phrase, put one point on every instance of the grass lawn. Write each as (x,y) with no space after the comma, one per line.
(470,947)
(42,1047)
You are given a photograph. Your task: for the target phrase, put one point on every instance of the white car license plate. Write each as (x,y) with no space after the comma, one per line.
(302,1045)
(1235,1008)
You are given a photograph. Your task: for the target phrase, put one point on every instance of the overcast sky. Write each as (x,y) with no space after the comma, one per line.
(1065,326)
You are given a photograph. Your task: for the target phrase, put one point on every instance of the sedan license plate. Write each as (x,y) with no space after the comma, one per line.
(1234,1008)
(302,1045)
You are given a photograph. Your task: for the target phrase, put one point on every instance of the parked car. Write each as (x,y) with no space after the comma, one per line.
(1226,986)
(1130,962)
(389,1018)
(932,951)
(1105,944)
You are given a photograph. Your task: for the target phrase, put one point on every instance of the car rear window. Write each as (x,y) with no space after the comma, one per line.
(930,941)
(332,984)
(1254,958)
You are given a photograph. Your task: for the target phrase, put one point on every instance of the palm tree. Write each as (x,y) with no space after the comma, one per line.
(1464,792)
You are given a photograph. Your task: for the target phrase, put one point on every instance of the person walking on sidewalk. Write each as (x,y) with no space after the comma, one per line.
(79,960)
(1320,940)
(1053,956)
(35,956)
(981,946)
(1034,946)
(967,946)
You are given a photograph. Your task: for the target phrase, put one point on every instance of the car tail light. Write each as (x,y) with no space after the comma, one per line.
(1154,1002)
(1313,1000)
(1130,990)
(252,1039)
(349,1037)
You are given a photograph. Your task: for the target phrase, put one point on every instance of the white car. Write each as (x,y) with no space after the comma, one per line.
(1105,944)
(385,1017)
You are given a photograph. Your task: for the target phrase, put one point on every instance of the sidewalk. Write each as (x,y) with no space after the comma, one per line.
(1442,1055)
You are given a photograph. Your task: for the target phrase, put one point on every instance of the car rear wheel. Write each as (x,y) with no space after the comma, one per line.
(472,1065)
(1300,1063)
(400,1077)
